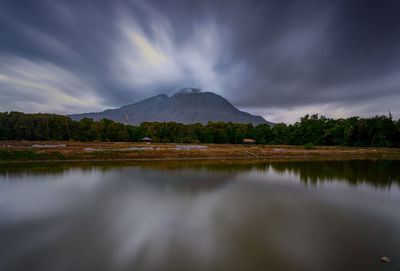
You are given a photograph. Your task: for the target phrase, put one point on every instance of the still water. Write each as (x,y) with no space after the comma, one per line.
(306,215)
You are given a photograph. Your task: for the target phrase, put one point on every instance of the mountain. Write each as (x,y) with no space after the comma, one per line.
(188,105)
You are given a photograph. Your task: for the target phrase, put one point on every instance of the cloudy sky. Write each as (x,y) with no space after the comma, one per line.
(279,59)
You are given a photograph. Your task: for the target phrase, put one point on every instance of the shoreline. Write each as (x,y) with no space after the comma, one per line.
(258,158)
(62,151)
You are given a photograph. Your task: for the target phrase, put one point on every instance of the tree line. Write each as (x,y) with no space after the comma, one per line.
(378,131)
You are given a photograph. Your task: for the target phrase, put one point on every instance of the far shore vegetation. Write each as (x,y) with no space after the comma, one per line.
(314,130)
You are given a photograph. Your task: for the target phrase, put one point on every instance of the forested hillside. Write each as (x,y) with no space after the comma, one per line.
(378,131)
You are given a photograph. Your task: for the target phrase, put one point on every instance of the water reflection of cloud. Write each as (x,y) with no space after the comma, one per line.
(149,222)
(134,218)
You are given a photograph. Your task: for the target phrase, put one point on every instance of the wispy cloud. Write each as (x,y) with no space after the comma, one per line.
(43,87)
(142,61)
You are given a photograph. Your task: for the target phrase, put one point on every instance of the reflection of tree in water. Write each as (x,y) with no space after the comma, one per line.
(56,168)
(379,173)
(46,169)
(376,172)
(183,176)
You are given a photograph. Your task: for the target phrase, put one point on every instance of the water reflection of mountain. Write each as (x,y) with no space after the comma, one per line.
(379,173)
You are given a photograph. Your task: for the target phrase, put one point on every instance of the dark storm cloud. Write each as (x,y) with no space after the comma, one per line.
(259,54)
(322,53)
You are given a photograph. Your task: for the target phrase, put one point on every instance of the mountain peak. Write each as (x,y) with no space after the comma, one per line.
(187,105)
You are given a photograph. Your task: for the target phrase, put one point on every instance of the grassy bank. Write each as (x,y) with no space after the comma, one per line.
(29,155)
(91,151)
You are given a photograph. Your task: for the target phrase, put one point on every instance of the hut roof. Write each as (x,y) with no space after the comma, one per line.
(146,138)
(248,140)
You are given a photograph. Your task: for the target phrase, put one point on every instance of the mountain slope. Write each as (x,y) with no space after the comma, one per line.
(186,106)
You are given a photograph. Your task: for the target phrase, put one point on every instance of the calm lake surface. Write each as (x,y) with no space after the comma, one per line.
(204,215)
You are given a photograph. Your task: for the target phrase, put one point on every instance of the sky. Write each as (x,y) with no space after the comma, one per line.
(278,59)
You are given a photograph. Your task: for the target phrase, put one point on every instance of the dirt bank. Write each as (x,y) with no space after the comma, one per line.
(99,151)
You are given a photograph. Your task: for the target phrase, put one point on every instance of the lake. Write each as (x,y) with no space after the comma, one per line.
(200,215)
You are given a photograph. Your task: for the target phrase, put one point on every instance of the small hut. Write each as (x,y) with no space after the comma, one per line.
(147,140)
(248,141)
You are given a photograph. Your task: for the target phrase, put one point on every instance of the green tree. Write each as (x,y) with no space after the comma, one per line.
(96,131)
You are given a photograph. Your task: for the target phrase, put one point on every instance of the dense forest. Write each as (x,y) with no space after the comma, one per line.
(378,131)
